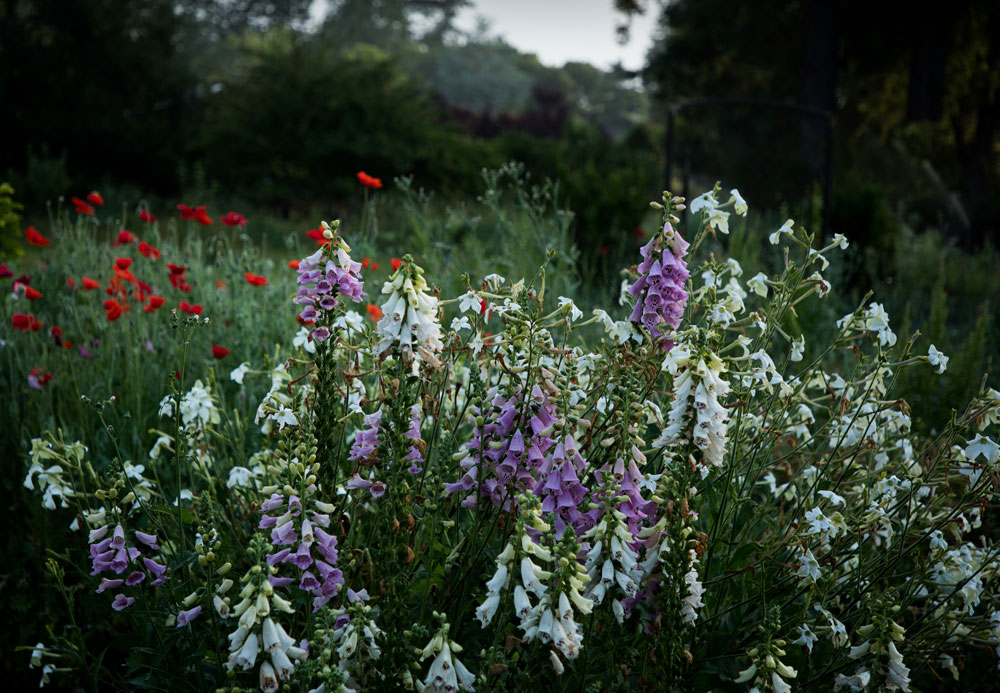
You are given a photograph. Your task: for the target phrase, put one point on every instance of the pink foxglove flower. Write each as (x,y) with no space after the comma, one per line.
(659,290)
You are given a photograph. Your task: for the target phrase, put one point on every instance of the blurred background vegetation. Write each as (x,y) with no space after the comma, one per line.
(259,101)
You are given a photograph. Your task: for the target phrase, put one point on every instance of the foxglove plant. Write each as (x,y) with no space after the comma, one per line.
(410,317)
(697,495)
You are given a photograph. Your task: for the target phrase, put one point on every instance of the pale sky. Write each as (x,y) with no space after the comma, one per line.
(558,31)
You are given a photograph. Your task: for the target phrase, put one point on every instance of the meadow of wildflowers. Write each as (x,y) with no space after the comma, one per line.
(326,476)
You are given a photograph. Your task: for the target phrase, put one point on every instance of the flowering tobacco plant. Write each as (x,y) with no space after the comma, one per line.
(689,494)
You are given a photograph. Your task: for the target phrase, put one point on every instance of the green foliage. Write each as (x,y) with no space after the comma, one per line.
(10,222)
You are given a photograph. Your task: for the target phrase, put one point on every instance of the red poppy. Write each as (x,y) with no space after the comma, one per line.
(395,262)
(255,279)
(374,312)
(70,282)
(234,219)
(55,331)
(189,308)
(638,233)
(35,324)
(369,181)
(219,284)
(373,266)
(219,352)
(67,345)
(186,212)
(113,309)
(5,272)
(299,319)
(177,277)
(201,216)
(32,236)
(364,263)
(125,236)
(149,251)
(294,264)
(21,321)
(146,216)
(95,198)
(154,304)
(316,235)
(82,207)
(90,284)
(602,250)
(31,294)
(123,262)
(482,306)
